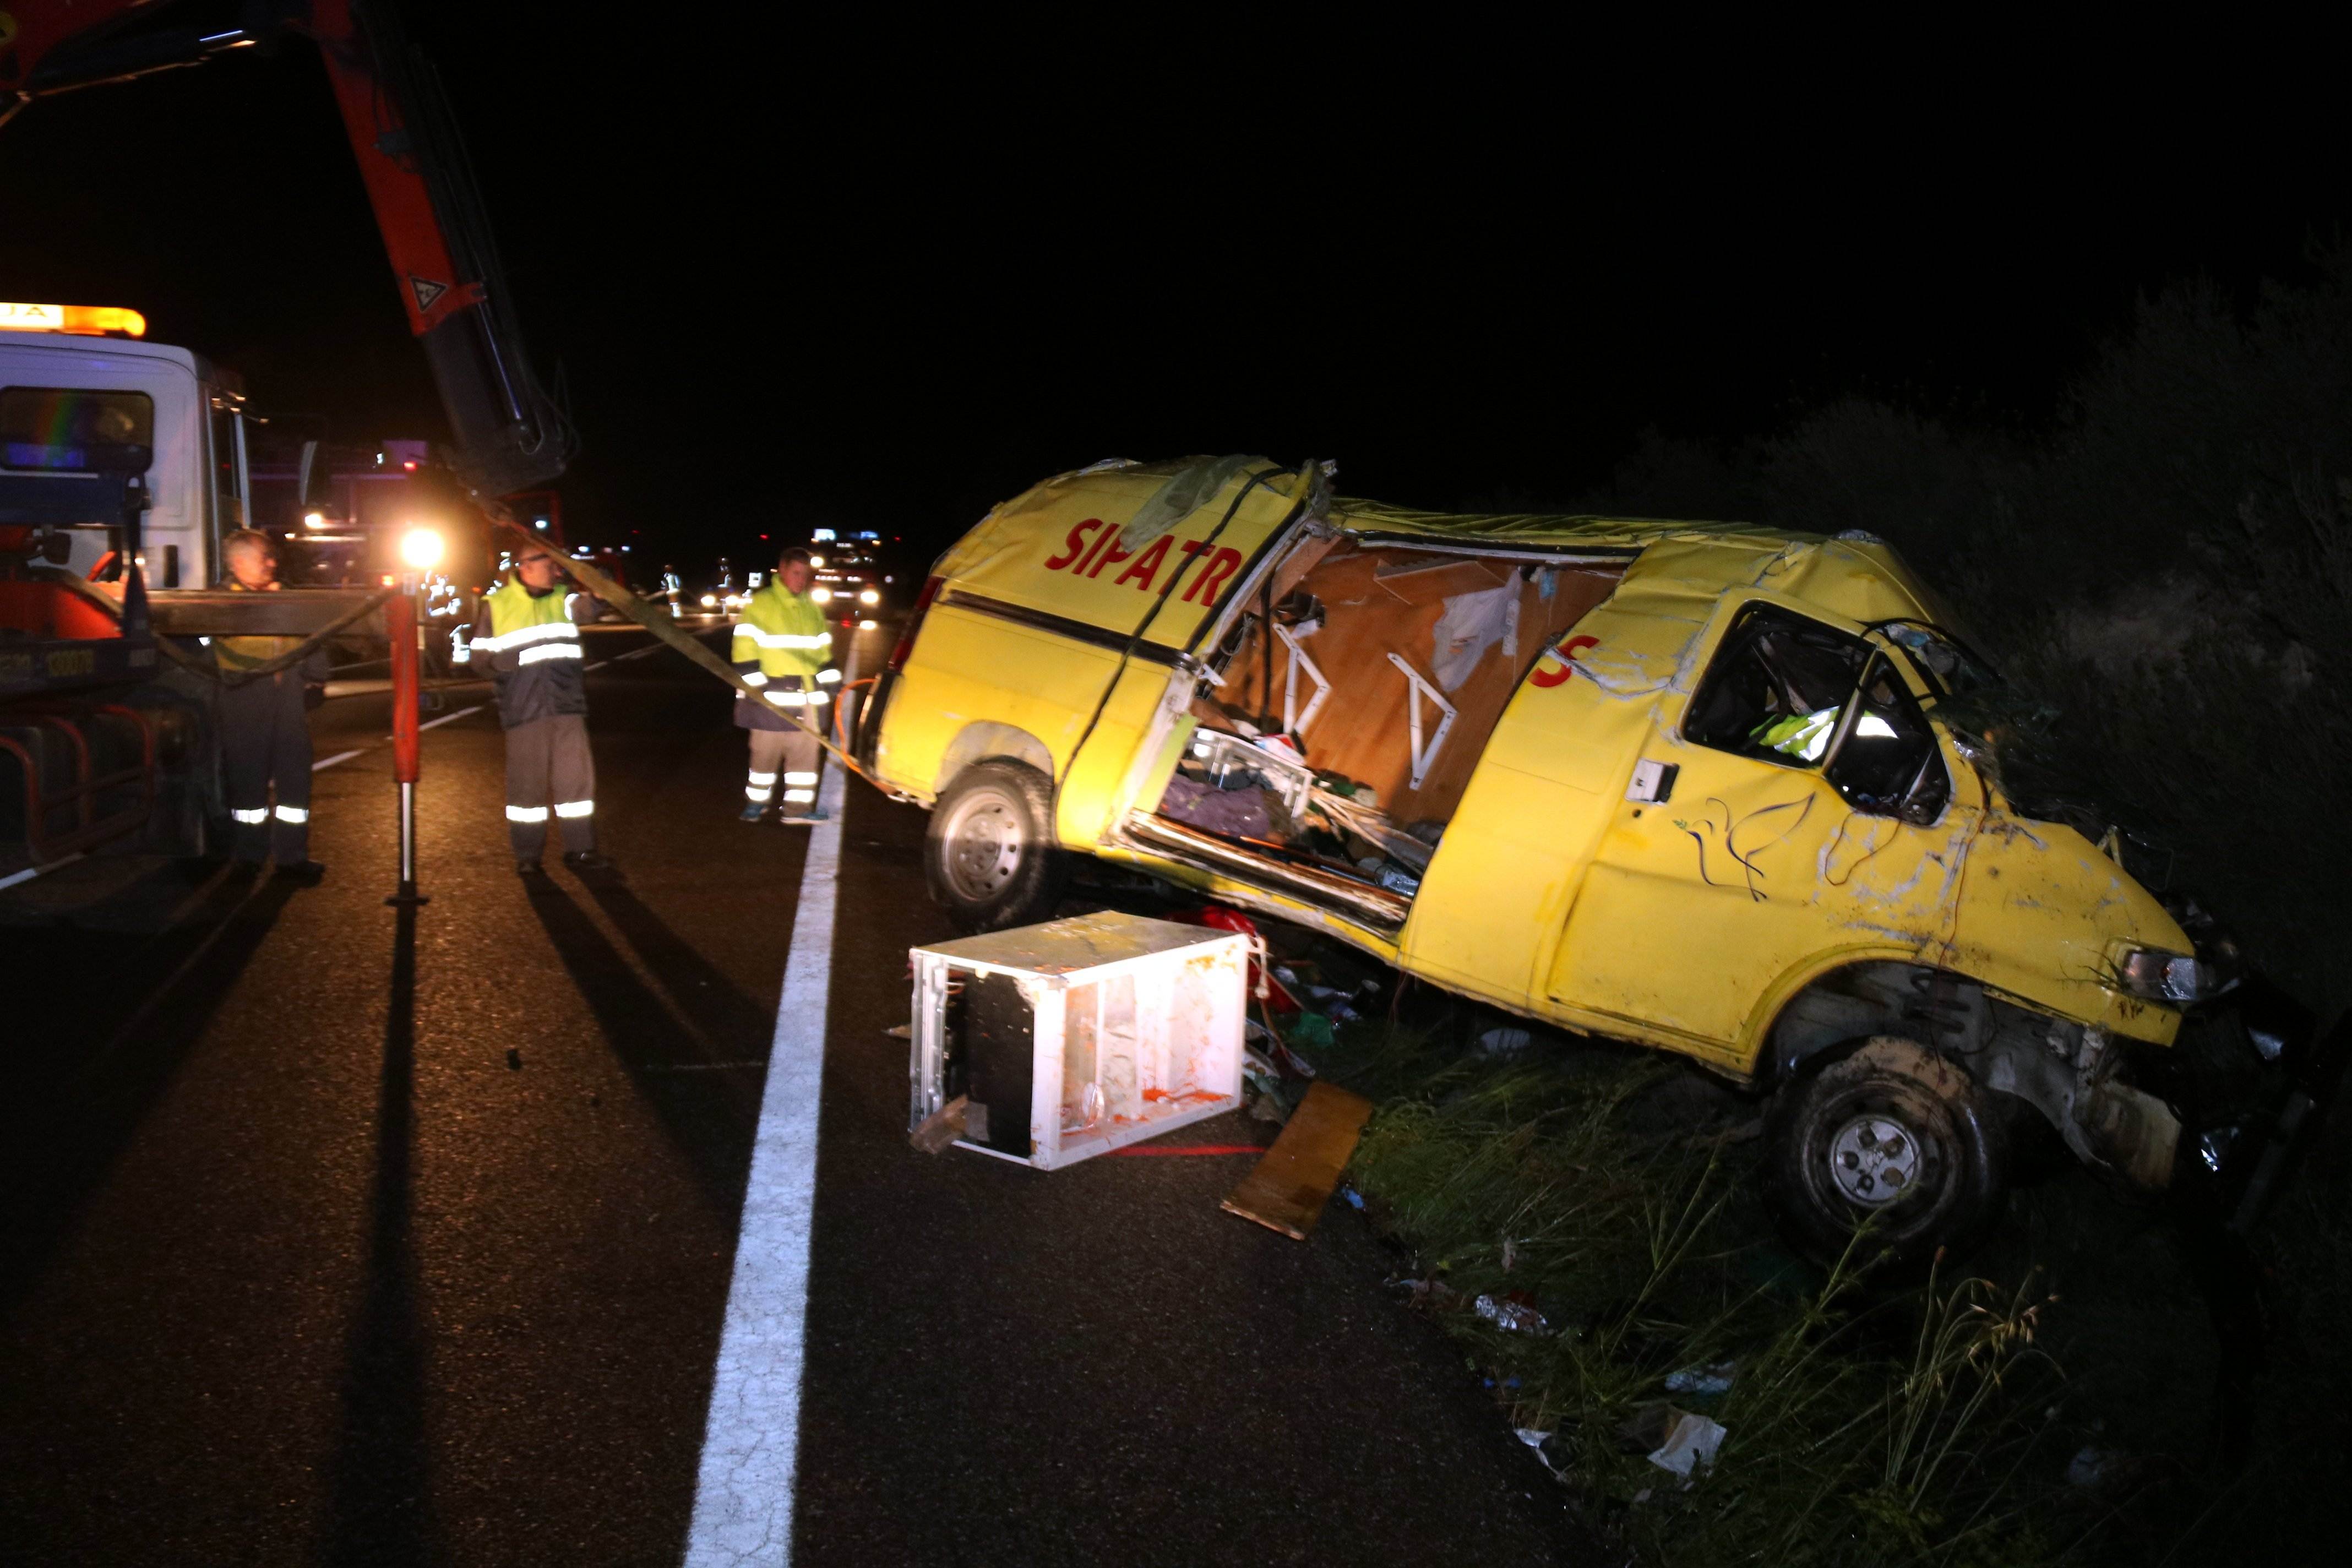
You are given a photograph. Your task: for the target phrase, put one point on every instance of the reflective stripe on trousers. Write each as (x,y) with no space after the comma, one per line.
(550,772)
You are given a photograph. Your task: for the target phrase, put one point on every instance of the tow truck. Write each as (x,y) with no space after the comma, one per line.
(124,463)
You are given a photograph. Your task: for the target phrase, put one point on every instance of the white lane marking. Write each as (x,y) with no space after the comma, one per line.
(750,1445)
(451,718)
(29,873)
(431,724)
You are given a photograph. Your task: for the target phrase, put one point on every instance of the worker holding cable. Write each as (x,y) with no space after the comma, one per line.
(784,648)
(532,651)
(266,726)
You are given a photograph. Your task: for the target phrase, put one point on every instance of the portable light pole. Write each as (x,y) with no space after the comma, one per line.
(420,551)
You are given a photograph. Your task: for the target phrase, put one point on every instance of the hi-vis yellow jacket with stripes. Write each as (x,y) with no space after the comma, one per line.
(783,645)
(241,654)
(533,652)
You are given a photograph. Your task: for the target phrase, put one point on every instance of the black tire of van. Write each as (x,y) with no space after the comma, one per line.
(1884,1116)
(989,855)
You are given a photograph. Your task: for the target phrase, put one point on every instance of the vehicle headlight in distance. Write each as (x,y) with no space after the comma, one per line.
(869,596)
(710,601)
(2167,976)
(821,595)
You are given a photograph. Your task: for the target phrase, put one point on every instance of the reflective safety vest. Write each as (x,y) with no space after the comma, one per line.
(246,653)
(783,645)
(533,653)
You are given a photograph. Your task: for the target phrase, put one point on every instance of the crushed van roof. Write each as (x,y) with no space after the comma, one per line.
(1620,536)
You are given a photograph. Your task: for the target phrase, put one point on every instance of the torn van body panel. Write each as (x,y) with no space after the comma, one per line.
(1681,784)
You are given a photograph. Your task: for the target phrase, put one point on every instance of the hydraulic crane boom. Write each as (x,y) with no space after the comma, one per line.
(509,435)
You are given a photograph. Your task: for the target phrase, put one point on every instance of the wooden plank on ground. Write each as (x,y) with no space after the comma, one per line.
(1288,1189)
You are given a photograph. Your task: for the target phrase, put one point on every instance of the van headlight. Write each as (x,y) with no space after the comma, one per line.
(2163,976)
(868,596)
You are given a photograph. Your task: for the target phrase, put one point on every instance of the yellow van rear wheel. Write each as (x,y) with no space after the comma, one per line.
(1884,1138)
(989,855)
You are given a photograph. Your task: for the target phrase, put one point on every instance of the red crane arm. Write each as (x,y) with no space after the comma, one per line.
(511,435)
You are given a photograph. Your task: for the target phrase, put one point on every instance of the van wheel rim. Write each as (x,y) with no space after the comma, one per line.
(984,841)
(1875,1160)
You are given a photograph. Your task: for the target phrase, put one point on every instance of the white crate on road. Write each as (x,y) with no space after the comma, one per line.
(1075,1037)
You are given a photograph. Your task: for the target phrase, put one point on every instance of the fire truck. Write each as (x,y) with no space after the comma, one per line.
(124,463)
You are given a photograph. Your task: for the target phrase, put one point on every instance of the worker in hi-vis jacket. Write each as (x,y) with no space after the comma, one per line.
(532,648)
(266,727)
(784,648)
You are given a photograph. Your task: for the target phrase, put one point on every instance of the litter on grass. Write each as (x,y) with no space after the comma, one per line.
(1510,1315)
(1703,1381)
(1678,1440)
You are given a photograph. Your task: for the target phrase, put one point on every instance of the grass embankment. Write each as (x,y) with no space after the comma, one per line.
(1862,1426)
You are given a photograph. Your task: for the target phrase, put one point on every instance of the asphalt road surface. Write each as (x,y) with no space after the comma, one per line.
(335,1234)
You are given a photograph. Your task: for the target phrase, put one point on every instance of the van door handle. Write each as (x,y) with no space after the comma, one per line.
(1654,783)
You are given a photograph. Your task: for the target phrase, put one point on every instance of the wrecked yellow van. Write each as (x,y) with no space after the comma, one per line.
(1678,783)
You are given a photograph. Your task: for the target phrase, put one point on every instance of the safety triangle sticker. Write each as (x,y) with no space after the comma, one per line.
(426,292)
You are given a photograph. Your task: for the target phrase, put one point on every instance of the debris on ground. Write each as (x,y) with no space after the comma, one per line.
(1676,1440)
(1425,1292)
(1703,1381)
(1312,1030)
(1545,1445)
(514,1060)
(1507,1041)
(1290,1186)
(941,1127)
(1514,1313)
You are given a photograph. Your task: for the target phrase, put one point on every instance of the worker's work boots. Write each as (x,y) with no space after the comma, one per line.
(587,861)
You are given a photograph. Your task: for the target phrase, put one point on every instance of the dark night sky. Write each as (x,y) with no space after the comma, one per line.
(884,278)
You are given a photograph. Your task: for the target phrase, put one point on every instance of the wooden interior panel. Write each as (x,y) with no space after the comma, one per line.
(1362,730)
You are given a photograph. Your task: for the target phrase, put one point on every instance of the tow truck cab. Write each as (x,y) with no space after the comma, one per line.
(1688,786)
(60,394)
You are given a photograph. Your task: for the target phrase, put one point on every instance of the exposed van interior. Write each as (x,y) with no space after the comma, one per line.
(1351,700)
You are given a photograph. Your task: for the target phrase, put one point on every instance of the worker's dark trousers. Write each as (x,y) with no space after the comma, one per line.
(265,741)
(789,757)
(548,769)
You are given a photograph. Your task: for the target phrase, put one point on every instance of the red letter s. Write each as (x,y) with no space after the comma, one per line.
(1074,546)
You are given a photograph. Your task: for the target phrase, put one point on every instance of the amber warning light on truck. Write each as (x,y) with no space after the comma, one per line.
(87,321)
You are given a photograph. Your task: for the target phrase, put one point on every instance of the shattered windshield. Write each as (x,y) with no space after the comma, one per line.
(2015,738)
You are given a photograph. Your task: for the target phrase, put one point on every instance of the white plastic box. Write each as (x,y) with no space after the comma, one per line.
(1075,1037)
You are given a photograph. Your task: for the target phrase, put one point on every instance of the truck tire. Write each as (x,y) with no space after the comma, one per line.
(990,855)
(1884,1133)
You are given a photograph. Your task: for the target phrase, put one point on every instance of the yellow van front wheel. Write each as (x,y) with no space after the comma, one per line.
(989,855)
(1886,1139)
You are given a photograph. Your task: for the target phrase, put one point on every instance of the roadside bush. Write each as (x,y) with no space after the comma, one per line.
(2168,568)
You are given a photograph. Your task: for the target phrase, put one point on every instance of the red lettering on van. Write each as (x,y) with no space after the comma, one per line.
(1074,546)
(1222,565)
(1109,557)
(1102,543)
(1146,565)
(1566,653)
